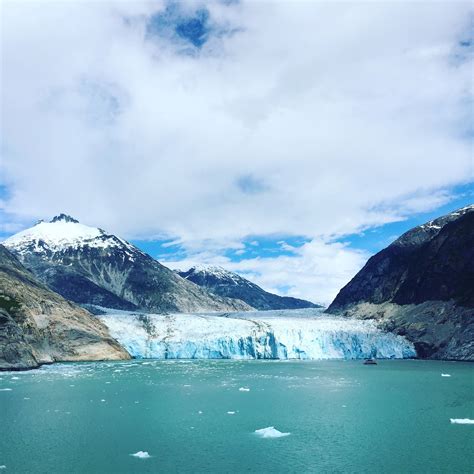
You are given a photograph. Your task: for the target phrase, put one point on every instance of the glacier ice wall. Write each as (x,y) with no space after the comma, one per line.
(244,336)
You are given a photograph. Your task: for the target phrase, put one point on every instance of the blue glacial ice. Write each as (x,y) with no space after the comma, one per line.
(253,335)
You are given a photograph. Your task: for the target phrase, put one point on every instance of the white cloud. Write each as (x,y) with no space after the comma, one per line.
(312,119)
(315,271)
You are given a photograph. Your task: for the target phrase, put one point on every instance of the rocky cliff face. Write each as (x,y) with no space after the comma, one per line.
(228,284)
(39,326)
(421,286)
(89,266)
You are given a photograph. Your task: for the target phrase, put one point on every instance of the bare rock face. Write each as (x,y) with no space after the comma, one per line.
(38,326)
(422,287)
(91,267)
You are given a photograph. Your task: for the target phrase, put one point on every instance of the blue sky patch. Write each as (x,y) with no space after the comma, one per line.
(174,23)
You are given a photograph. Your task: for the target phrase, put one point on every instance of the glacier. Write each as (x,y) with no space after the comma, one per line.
(287,334)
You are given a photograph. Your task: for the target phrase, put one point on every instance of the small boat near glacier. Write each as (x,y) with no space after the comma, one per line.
(370,362)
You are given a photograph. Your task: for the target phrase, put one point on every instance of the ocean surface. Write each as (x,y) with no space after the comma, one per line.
(202,416)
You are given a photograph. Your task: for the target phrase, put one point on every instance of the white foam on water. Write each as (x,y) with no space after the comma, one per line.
(244,389)
(6,389)
(141,455)
(462,421)
(445,375)
(270,432)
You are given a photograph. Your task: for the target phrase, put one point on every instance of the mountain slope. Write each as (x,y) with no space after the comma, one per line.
(39,326)
(225,283)
(89,266)
(422,286)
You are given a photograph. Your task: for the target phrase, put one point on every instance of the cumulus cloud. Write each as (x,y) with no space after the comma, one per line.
(214,121)
(316,270)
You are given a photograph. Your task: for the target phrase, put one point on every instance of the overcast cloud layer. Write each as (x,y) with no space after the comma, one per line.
(310,119)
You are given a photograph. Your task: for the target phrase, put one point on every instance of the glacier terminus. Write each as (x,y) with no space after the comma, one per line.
(288,334)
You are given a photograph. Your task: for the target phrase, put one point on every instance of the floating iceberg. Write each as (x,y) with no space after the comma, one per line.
(462,421)
(270,432)
(141,455)
(253,335)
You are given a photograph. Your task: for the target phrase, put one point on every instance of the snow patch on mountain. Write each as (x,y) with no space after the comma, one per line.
(217,272)
(61,233)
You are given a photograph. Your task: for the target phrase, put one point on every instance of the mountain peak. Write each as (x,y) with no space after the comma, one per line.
(63,218)
(425,232)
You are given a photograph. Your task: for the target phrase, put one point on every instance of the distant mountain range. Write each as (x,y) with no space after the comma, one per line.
(228,284)
(89,266)
(421,286)
(39,326)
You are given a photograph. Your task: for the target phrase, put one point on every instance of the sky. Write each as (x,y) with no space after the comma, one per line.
(288,141)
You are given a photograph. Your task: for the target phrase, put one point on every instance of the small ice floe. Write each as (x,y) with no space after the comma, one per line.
(107,382)
(200,412)
(3,466)
(102,400)
(244,389)
(461,421)
(231,412)
(141,455)
(344,406)
(270,432)
(15,378)
(26,398)
(6,389)
(445,375)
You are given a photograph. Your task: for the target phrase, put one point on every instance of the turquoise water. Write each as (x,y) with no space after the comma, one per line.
(342,416)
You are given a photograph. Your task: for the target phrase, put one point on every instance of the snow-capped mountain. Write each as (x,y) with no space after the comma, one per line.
(229,284)
(89,266)
(422,286)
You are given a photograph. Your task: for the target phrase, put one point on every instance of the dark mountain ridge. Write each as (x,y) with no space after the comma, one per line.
(421,286)
(89,266)
(229,284)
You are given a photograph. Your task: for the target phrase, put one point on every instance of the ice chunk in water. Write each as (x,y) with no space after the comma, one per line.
(445,375)
(141,455)
(244,389)
(462,421)
(270,432)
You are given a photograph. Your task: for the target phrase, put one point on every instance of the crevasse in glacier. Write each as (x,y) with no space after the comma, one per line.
(252,336)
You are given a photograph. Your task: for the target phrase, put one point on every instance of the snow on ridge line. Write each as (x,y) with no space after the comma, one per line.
(179,336)
(61,234)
